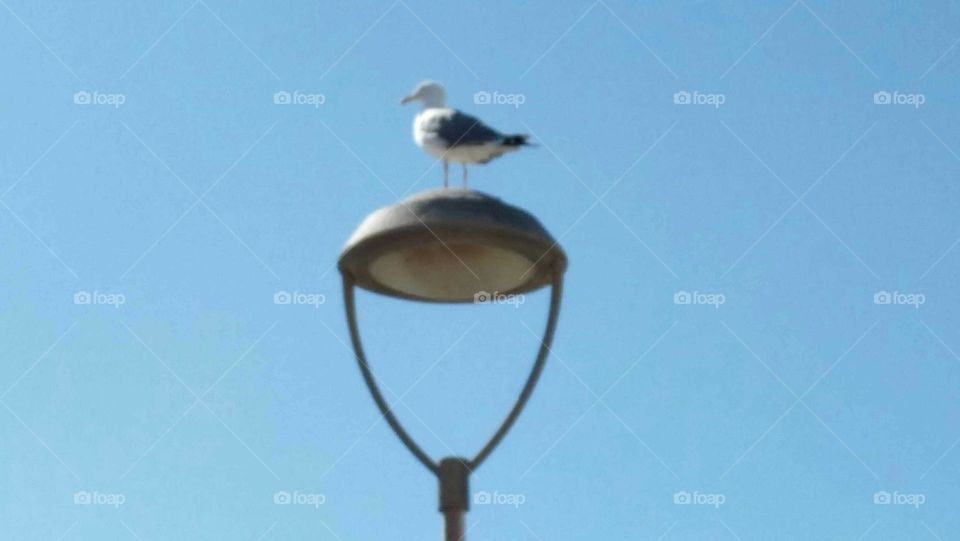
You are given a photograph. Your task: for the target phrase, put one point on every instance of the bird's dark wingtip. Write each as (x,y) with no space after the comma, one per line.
(517,141)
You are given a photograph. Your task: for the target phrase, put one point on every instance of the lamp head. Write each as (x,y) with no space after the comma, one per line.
(448,246)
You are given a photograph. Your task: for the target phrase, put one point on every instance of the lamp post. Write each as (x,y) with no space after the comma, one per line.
(449,246)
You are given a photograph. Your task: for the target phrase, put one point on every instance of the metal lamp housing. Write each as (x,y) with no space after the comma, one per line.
(450,245)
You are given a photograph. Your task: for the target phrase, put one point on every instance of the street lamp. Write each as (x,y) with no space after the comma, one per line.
(451,246)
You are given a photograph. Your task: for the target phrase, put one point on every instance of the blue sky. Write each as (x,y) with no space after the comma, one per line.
(739,155)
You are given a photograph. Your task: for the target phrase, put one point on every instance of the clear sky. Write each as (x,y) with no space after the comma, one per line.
(154,198)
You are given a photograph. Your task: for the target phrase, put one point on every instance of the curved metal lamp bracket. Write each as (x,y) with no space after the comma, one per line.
(385,408)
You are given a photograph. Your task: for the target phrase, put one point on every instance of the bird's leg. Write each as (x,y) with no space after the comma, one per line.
(446,168)
(464,176)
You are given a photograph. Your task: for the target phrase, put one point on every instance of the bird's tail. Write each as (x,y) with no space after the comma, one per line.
(516,141)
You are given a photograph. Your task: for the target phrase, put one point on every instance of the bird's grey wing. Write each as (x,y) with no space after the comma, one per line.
(459,128)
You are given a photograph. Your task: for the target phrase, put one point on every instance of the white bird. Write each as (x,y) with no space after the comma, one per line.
(452,136)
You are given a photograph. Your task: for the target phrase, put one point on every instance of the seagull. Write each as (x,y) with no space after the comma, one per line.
(453,136)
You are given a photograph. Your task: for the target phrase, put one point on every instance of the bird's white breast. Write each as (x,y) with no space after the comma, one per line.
(429,141)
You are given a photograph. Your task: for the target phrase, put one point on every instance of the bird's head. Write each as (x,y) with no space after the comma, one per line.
(429,92)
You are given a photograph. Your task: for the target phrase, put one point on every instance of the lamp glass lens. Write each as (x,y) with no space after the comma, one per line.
(451,271)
